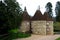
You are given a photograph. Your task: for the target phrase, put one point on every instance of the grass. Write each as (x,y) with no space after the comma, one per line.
(58,38)
(57,26)
(14,34)
(17,35)
(23,35)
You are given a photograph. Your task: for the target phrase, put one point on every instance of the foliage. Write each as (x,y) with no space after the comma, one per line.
(49,8)
(13,31)
(14,34)
(15,12)
(57,26)
(3,17)
(10,15)
(57,10)
(58,38)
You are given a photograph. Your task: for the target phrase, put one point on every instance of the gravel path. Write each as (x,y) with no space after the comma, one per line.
(40,37)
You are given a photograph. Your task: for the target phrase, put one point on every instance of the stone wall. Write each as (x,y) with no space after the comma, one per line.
(25,26)
(38,27)
(41,27)
(50,28)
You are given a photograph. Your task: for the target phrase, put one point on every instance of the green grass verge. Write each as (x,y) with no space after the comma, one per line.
(17,35)
(58,38)
(14,34)
(23,35)
(57,26)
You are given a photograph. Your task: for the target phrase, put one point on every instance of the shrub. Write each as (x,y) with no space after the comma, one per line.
(14,34)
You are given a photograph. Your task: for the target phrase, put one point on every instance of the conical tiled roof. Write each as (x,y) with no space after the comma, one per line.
(37,16)
(25,15)
(46,17)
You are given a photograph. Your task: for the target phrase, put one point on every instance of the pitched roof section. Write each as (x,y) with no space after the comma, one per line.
(46,17)
(37,16)
(25,15)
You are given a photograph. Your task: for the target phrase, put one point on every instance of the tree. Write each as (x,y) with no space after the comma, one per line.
(10,15)
(3,18)
(57,11)
(49,8)
(14,11)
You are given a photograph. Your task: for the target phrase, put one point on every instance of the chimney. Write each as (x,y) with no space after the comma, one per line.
(38,7)
(25,9)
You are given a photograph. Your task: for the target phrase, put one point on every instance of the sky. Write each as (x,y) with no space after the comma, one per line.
(32,5)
